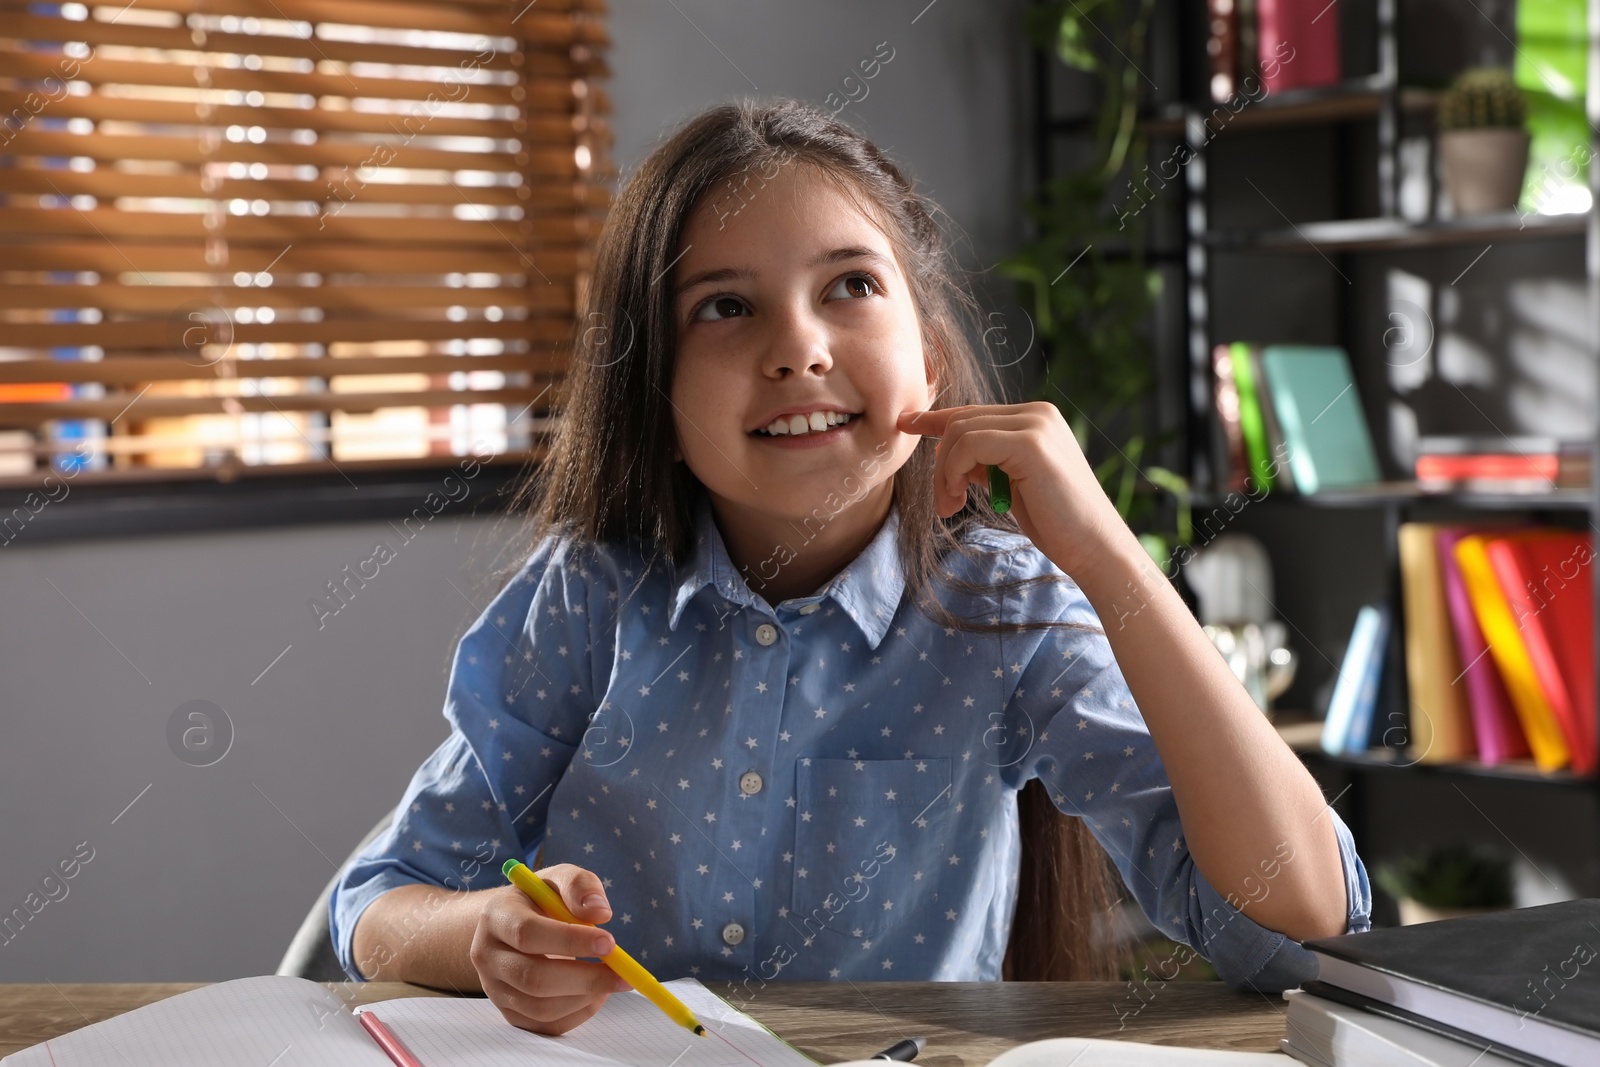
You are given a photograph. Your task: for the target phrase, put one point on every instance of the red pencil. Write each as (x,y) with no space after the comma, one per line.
(387,1041)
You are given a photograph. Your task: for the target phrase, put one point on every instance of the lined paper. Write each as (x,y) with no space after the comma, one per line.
(266,1021)
(280,1021)
(628,1031)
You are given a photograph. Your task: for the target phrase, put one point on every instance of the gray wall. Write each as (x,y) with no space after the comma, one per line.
(208,873)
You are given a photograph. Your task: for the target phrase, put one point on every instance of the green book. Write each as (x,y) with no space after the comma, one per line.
(1320,411)
(1252,426)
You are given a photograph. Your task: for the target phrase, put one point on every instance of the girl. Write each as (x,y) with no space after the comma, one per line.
(764,695)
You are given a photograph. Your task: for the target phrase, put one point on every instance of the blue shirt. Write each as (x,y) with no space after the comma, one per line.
(825,789)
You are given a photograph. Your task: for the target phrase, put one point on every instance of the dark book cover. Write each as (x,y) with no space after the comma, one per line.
(1541,961)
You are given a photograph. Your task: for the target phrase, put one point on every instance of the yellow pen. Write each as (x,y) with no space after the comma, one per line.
(626,967)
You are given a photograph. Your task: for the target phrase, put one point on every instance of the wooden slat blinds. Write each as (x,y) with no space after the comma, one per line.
(306,232)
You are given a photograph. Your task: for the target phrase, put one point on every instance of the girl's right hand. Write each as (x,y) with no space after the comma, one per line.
(525,959)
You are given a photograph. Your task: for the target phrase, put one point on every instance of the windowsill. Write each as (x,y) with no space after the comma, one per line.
(47,508)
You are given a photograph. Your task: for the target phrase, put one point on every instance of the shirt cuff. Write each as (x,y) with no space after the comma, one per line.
(1248,956)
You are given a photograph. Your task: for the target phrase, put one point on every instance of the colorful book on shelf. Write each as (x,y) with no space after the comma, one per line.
(1324,428)
(1252,425)
(1549,588)
(1495,728)
(1226,395)
(1510,653)
(1524,464)
(1439,717)
(1282,473)
(1298,43)
(1348,723)
(1361,730)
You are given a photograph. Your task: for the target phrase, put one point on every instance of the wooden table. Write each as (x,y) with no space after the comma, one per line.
(966,1023)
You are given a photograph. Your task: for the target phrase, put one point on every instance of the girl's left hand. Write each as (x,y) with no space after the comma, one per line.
(1055,497)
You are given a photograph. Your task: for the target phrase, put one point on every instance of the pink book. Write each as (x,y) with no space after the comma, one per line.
(1494,721)
(1298,44)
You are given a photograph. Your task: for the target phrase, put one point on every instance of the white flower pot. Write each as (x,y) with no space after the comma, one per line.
(1483,169)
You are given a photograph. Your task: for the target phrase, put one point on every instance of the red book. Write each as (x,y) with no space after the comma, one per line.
(1298,43)
(1542,466)
(1549,585)
(1494,721)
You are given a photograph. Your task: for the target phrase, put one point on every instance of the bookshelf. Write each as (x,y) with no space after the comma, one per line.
(1222,244)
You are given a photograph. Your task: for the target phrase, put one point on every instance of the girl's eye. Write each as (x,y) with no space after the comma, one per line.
(855,286)
(720,307)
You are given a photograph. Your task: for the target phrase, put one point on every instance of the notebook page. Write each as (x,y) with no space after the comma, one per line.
(265,1021)
(1102,1052)
(629,1030)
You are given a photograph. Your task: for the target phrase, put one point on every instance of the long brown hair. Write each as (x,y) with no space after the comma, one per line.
(610,475)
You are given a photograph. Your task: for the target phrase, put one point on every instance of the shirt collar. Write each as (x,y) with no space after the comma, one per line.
(868,588)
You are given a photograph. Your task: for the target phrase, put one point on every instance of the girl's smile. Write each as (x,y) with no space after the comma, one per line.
(810,438)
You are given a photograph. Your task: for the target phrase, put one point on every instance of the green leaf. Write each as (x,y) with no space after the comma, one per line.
(1072,46)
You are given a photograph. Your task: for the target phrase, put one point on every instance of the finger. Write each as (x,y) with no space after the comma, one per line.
(543,977)
(539,1014)
(581,891)
(576,1019)
(928,423)
(520,924)
(964,456)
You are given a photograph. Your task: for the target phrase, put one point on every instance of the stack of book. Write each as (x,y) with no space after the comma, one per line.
(1501,464)
(1499,637)
(1291,418)
(1509,987)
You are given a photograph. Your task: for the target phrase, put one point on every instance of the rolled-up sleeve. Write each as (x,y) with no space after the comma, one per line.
(1247,955)
(1095,755)
(520,697)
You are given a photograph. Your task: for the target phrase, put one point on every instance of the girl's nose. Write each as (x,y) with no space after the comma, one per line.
(797,343)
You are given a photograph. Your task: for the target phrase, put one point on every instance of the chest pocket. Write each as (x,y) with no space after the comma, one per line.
(862,828)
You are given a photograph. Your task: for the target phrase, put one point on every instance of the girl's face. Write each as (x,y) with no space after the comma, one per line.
(789,300)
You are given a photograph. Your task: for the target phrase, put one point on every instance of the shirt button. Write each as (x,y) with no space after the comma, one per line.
(766,633)
(733,933)
(749,783)
(811,609)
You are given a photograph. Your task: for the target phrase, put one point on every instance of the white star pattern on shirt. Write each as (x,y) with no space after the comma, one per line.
(928,803)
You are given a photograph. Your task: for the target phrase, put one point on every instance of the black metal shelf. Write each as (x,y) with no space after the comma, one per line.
(1354,100)
(1380,234)
(1379,99)
(1388,761)
(1393,494)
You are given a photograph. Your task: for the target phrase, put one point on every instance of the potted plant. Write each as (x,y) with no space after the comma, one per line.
(1101,362)
(1483,148)
(1446,882)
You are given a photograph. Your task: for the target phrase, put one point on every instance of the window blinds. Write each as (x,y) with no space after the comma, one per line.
(292,233)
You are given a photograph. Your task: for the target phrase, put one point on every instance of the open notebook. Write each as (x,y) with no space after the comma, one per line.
(279,1021)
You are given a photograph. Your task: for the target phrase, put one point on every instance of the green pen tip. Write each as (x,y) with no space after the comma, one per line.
(505,869)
